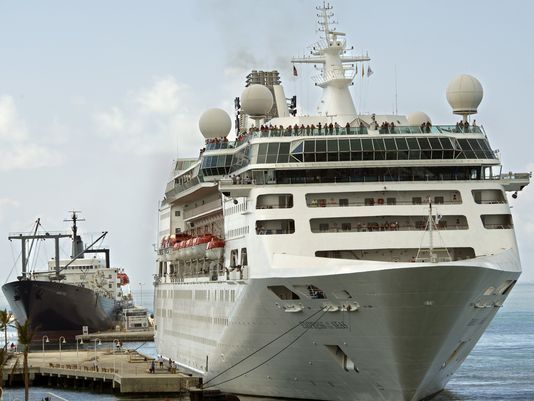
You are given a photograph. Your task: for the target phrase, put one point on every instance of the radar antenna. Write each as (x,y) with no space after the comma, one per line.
(337,70)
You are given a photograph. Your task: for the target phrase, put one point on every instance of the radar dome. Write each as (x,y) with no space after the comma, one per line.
(256,100)
(464,94)
(417,118)
(215,123)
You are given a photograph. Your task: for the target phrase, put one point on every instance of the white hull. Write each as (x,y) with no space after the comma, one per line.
(415,324)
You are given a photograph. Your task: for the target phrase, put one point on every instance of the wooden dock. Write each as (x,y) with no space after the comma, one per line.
(124,372)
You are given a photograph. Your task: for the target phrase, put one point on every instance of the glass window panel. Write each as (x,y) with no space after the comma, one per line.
(271,158)
(344,156)
(309,146)
(474,144)
(356,156)
(298,148)
(261,158)
(344,145)
(332,145)
(333,157)
(435,144)
(401,143)
(413,144)
(273,148)
(415,155)
(320,157)
(436,154)
(379,144)
(446,143)
(282,158)
(263,148)
(284,148)
(355,144)
(483,144)
(320,146)
(391,155)
(390,144)
(367,145)
(464,145)
(426,154)
(448,154)
(309,157)
(424,143)
(368,155)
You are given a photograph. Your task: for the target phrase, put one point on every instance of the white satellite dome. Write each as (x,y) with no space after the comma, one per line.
(215,123)
(417,118)
(256,100)
(464,94)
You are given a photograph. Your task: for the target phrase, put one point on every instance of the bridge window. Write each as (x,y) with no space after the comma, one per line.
(497,221)
(271,227)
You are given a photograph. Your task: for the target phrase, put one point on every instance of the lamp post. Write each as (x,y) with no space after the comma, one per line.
(61,342)
(43,341)
(115,343)
(141,294)
(77,357)
(96,340)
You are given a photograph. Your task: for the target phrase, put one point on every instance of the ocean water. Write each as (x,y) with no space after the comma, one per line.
(500,367)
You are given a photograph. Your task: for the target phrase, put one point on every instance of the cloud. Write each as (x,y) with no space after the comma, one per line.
(157,119)
(18,150)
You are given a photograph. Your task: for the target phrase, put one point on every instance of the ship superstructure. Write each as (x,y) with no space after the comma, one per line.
(337,256)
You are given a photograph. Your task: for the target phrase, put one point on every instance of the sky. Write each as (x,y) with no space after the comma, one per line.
(98,98)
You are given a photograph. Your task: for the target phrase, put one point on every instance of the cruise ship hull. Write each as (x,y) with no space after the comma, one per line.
(59,309)
(395,334)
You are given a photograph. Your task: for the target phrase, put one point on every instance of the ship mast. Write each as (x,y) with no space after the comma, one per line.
(336,74)
(77,243)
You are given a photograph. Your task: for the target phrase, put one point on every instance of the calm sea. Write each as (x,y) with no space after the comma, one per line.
(500,368)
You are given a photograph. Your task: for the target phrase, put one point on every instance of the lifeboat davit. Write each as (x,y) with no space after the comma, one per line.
(123,278)
(215,249)
(198,249)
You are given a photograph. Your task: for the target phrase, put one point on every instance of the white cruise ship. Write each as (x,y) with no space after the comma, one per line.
(339,256)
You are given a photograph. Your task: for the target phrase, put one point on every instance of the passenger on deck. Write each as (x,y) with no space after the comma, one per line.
(347,128)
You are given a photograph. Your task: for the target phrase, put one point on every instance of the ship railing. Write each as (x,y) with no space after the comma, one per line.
(221,143)
(382,227)
(378,202)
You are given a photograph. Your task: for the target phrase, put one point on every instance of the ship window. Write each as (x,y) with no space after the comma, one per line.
(283,153)
(346,227)
(270,227)
(416,200)
(282,292)
(309,146)
(274,201)
(332,145)
(488,196)
(344,145)
(343,202)
(320,146)
(310,291)
(323,227)
(391,201)
(497,221)
(439,200)
(355,145)
(244,258)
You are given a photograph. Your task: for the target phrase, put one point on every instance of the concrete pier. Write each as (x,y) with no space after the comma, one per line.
(125,372)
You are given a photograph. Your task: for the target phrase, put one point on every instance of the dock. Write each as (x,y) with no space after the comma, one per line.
(125,372)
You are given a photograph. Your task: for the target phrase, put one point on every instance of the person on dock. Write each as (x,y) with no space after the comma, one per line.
(152,367)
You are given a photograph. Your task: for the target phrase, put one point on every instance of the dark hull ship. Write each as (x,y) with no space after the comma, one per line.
(74,295)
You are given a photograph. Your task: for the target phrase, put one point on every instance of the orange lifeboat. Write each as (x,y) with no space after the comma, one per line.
(123,278)
(215,249)
(198,250)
